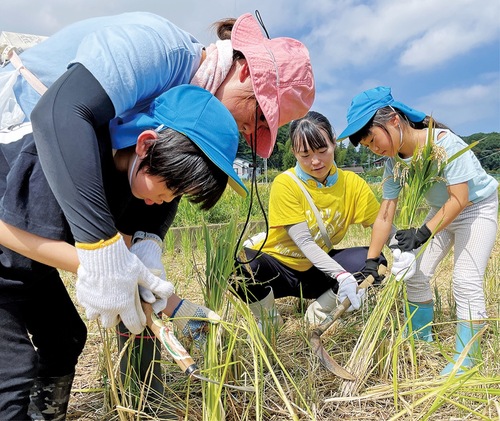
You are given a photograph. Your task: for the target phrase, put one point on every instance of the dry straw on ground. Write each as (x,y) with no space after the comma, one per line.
(476,399)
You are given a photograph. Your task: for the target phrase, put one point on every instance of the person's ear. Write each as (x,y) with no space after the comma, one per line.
(395,121)
(244,71)
(144,142)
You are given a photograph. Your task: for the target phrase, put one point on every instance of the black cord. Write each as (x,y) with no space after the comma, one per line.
(253,187)
(259,19)
(253,182)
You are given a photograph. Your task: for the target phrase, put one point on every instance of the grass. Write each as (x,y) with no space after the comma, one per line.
(289,380)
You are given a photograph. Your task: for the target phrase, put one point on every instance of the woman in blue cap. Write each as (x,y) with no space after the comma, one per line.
(185,145)
(463,214)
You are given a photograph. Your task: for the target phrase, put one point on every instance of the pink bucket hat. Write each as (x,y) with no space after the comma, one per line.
(282,78)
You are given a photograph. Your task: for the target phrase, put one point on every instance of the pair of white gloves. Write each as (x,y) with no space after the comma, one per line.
(404,266)
(112,280)
(348,288)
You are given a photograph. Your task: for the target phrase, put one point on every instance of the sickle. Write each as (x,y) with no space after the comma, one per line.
(315,337)
(178,352)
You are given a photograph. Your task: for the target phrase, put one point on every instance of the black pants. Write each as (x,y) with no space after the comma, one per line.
(57,331)
(269,272)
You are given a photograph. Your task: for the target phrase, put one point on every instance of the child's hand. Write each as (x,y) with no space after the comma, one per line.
(412,238)
(404,264)
(192,320)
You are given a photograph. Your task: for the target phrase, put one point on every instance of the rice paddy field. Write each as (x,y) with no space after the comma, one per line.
(403,381)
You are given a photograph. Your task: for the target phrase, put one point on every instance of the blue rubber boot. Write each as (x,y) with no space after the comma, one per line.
(422,315)
(465,331)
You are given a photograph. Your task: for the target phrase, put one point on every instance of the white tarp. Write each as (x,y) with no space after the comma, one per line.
(20,42)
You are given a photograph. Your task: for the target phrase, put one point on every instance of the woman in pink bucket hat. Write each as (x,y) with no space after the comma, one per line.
(103,70)
(281,80)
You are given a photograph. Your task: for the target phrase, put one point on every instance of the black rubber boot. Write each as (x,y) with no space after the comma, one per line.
(141,372)
(49,398)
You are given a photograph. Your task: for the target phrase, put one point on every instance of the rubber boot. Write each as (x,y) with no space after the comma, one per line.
(422,315)
(265,310)
(49,398)
(141,372)
(465,331)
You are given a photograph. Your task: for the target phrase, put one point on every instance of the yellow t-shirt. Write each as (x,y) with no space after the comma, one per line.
(349,201)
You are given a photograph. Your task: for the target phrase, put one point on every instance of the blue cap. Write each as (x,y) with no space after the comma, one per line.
(366,104)
(194,112)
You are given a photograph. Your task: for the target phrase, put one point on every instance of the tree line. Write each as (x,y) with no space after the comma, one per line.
(346,155)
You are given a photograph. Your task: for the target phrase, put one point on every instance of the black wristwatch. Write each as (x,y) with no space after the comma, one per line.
(141,235)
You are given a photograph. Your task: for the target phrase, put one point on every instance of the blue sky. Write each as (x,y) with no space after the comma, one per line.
(439,56)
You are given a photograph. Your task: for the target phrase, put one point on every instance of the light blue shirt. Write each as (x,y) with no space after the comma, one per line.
(134,56)
(465,168)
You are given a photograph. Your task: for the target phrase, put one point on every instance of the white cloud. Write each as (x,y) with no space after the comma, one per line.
(354,44)
(462,107)
(414,30)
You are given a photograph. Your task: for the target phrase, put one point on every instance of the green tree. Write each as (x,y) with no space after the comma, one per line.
(487,150)
(352,156)
(340,153)
(287,155)
(276,159)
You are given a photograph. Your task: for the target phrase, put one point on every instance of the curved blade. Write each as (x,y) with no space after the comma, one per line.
(328,362)
(178,352)
(315,337)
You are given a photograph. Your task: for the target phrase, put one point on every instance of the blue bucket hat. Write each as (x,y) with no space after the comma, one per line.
(194,112)
(366,104)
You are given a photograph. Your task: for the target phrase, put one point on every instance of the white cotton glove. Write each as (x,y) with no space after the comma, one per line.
(318,310)
(404,264)
(348,289)
(107,286)
(187,318)
(150,252)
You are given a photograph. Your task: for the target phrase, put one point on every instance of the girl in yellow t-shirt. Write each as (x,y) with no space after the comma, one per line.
(298,258)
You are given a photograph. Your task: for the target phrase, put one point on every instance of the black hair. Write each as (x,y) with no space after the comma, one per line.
(309,132)
(184,168)
(383,115)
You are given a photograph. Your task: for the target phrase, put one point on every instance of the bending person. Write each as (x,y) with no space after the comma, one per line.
(101,70)
(185,146)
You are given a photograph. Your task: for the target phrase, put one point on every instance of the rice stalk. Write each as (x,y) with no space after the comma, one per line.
(468,393)
(218,268)
(264,355)
(219,351)
(416,178)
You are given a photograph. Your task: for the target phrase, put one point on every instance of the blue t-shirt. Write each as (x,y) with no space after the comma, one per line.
(134,56)
(465,168)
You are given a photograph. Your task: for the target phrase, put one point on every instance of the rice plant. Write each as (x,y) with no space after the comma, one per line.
(416,178)
(238,336)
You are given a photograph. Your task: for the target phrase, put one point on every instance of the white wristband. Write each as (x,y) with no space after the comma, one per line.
(141,235)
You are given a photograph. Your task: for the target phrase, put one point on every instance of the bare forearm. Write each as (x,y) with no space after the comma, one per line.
(55,253)
(382,227)
(58,254)
(457,201)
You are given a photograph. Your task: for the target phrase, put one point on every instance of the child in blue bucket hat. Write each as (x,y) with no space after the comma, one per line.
(183,145)
(463,214)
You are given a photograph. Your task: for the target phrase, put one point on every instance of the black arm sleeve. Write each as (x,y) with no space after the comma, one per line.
(64,127)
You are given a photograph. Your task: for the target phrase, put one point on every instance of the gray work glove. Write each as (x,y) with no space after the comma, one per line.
(193,319)
(318,310)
